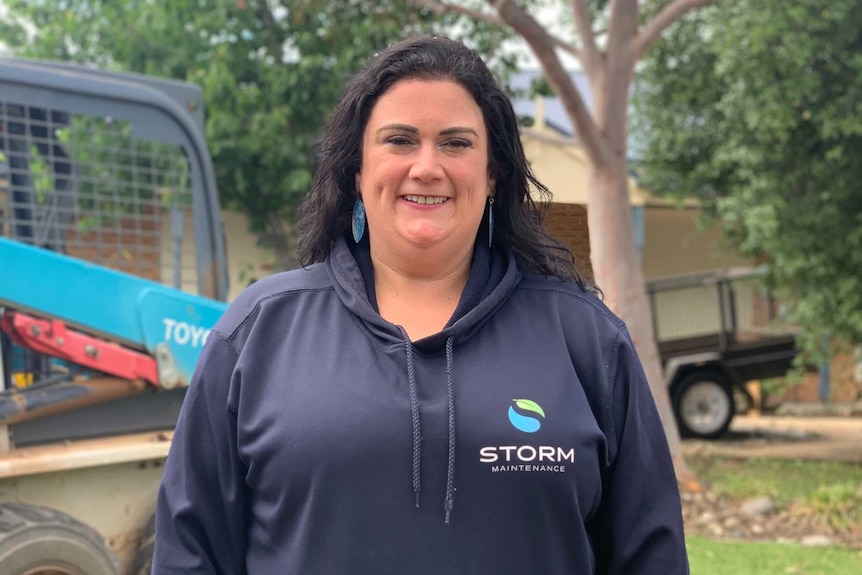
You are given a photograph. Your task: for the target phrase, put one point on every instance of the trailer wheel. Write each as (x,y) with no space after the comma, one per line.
(41,541)
(703,404)
(142,564)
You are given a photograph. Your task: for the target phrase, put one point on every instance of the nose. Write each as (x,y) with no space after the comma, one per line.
(426,165)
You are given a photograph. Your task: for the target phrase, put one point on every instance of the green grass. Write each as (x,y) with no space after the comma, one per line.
(825,491)
(839,505)
(732,558)
(785,481)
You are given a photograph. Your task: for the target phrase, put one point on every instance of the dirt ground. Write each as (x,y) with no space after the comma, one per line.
(787,437)
(782,437)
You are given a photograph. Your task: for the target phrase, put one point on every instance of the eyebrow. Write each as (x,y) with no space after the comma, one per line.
(413,130)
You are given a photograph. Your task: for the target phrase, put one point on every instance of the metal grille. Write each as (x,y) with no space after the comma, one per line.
(693,306)
(85,186)
(687,312)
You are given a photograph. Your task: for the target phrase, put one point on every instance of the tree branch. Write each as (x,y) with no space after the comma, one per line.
(667,16)
(591,57)
(273,41)
(543,46)
(440,7)
(622,24)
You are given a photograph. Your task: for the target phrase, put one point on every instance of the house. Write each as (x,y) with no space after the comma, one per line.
(669,236)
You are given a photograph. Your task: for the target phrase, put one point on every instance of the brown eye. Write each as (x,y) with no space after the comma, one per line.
(398,141)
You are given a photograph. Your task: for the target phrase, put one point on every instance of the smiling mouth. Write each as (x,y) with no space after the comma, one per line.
(432,200)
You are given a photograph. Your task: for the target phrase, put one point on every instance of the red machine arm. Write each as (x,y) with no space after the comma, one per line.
(53,338)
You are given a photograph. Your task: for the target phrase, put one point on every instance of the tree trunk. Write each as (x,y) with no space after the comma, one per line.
(618,273)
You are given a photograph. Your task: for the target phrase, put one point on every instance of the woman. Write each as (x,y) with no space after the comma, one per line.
(437,392)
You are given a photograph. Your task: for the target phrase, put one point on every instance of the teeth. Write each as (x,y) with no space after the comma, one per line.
(425,199)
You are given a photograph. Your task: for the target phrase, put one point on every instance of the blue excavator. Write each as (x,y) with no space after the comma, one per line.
(112,273)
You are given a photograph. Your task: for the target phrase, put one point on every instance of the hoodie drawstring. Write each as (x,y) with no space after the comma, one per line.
(414,416)
(449,501)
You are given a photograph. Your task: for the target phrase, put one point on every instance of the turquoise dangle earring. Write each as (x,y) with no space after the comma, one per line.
(358,221)
(490,221)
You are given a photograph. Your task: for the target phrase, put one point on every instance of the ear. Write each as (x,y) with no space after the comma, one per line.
(356,185)
(492,186)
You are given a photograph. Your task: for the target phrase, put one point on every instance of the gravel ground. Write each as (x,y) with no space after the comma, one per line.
(779,437)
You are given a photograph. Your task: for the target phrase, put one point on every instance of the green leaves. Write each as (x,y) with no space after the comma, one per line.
(756,108)
(43,181)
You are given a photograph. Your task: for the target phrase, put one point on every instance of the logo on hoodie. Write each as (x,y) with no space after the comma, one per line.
(525,417)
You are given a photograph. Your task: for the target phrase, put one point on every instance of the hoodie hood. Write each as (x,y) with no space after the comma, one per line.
(493,277)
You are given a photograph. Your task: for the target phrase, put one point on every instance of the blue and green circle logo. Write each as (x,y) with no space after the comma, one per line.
(526,422)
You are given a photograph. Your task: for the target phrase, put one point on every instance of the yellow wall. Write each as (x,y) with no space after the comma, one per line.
(563,167)
(674,245)
(245,258)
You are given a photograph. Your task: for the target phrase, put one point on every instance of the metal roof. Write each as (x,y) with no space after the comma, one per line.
(555,114)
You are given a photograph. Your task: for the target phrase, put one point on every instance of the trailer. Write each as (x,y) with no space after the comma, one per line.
(717,331)
(112,273)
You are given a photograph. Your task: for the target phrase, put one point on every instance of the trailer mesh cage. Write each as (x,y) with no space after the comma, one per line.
(111,169)
(714,310)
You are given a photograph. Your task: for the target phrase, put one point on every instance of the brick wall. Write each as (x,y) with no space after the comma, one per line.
(568,224)
(130,244)
(842,386)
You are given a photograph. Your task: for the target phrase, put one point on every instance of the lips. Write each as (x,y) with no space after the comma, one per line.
(424,200)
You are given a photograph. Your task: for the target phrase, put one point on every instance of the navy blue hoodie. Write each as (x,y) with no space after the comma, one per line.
(317,439)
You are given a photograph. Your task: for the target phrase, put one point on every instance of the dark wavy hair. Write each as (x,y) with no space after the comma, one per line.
(325,213)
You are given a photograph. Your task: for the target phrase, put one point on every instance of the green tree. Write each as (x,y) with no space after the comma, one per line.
(271,71)
(756,108)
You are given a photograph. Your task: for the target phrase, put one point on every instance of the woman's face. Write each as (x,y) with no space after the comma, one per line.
(424,176)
